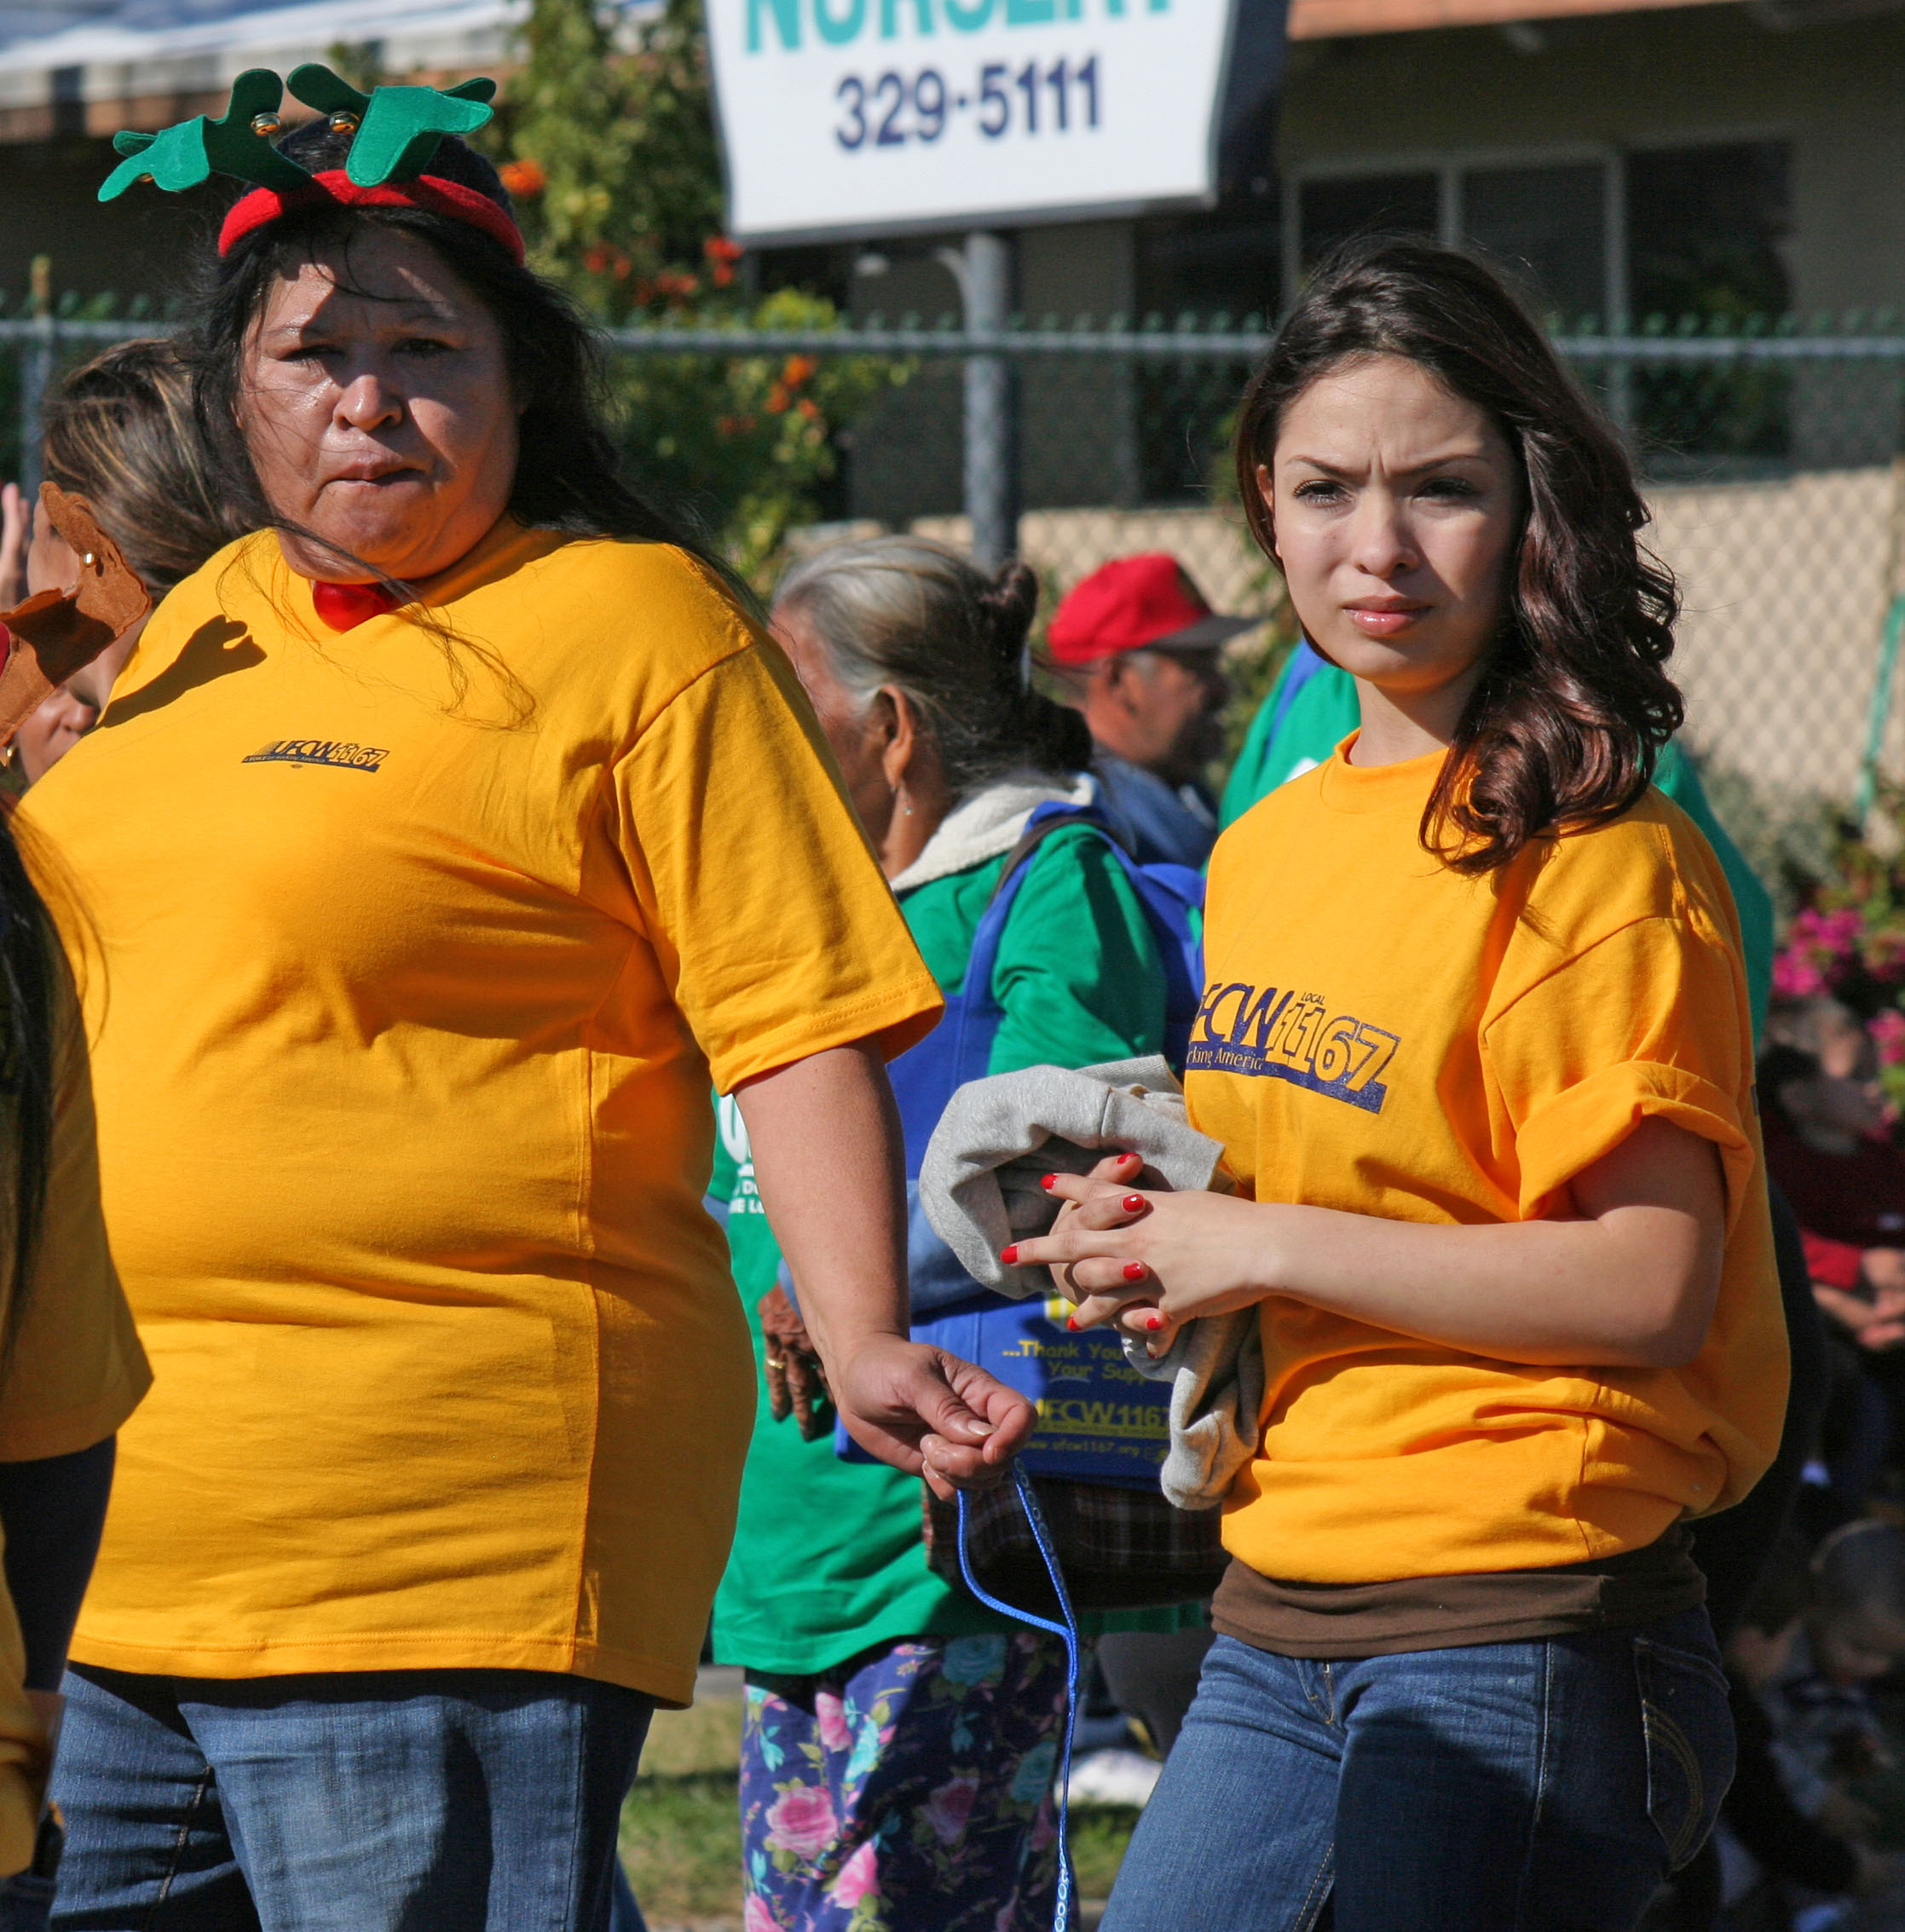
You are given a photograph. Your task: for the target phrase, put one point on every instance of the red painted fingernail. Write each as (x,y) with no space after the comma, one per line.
(1127,1157)
(1046,1180)
(1135,1271)
(1156,1322)
(1010,1255)
(1071,1321)
(1132,1203)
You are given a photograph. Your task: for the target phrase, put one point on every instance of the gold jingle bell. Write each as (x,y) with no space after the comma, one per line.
(343,123)
(266,127)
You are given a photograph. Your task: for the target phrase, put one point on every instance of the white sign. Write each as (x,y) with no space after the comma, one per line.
(874,117)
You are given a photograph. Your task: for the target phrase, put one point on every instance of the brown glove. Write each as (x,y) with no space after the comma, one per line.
(55,632)
(796,1383)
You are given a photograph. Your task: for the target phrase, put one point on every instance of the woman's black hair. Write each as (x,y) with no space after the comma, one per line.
(905,611)
(29,988)
(568,475)
(1563,728)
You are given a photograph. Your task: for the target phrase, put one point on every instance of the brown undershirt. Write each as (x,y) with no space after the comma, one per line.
(1499,1606)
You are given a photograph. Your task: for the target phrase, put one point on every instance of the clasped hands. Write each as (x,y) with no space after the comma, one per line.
(1149,1260)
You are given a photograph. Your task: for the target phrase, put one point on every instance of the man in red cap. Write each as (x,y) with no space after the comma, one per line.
(1139,647)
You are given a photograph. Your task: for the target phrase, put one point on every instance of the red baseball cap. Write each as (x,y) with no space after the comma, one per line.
(1136,604)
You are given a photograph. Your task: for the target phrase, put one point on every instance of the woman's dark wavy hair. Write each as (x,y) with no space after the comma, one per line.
(1564,727)
(568,475)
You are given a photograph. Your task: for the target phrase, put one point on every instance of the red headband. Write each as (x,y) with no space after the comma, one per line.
(428,192)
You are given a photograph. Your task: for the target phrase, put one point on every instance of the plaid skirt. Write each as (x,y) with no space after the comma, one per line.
(909,1790)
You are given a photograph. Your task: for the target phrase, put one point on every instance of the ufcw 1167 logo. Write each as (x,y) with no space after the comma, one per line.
(320,750)
(1284,1035)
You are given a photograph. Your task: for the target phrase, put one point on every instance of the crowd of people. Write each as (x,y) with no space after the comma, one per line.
(460,940)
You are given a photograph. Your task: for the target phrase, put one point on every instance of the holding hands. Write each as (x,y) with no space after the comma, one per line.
(1148,1260)
(1625,1276)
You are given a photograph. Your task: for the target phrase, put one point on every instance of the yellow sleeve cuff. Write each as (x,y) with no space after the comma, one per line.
(1569,1133)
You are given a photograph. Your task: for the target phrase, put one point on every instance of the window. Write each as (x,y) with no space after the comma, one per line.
(1705,230)
(1705,226)
(1330,212)
(1547,227)
(1544,224)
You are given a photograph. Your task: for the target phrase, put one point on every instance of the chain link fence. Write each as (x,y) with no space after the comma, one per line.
(1774,465)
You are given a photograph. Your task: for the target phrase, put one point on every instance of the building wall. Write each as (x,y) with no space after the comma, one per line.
(49,205)
(1665,78)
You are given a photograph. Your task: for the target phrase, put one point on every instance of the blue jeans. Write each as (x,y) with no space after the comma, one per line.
(377,1801)
(1514,1787)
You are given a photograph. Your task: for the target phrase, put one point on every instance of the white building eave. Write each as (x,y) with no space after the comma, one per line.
(160,49)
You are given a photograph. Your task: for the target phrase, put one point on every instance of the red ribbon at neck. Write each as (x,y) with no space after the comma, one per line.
(344,607)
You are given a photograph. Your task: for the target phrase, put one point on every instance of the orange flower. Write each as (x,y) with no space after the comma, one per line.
(524,178)
(800,369)
(778,399)
(718,248)
(809,408)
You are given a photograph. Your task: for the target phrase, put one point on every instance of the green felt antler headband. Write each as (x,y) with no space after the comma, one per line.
(396,132)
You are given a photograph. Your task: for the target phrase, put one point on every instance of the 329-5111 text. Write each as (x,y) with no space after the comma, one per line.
(894,111)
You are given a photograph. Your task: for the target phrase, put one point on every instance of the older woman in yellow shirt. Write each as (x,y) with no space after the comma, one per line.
(444,842)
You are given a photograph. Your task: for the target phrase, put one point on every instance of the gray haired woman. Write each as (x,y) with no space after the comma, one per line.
(899,1738)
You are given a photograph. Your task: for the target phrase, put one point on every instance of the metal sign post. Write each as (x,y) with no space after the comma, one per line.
(984,271)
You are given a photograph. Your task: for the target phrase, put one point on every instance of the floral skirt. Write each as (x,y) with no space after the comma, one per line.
(910,1791)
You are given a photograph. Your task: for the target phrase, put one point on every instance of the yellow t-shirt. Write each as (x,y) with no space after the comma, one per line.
(407,1007)
(76,1373)
(1382,1036)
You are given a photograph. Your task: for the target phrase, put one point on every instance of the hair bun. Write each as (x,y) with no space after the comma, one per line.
(1010,603)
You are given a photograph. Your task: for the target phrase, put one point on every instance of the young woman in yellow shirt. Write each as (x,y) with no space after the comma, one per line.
(1476,1036)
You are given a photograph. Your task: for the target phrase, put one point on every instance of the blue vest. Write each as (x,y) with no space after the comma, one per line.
(1100,1420)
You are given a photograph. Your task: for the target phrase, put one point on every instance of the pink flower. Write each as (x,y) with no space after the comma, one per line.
(949,1808)
(756,1918)
(1797,977)
(835,1733)
(1819,948)
(801,1821)
(856,1878)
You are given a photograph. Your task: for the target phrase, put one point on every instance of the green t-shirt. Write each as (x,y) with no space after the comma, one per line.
(828,1559)
(1324,712)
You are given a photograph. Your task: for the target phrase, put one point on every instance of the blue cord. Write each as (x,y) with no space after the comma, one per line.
(1041,1534)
